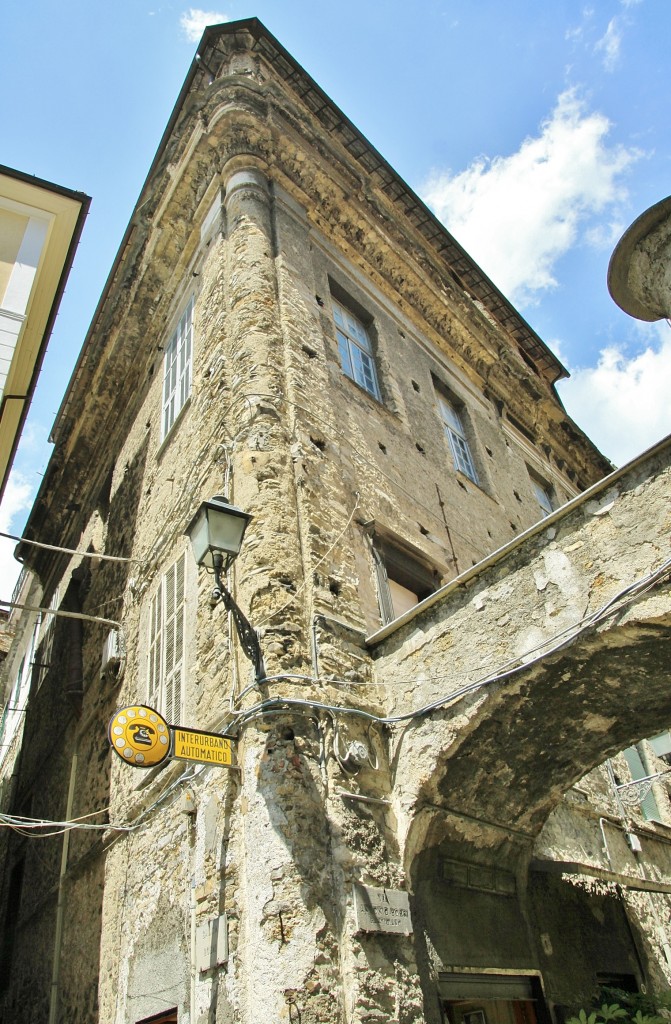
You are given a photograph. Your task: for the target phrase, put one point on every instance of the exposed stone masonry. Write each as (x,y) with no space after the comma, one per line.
(263,209)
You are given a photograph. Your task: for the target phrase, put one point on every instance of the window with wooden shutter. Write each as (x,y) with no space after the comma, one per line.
(403,579)
(165,673)
(174,640)
(154,672)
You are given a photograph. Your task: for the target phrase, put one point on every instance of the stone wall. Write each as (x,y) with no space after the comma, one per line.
(262,210)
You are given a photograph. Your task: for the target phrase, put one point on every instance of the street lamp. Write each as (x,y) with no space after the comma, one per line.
(216,533)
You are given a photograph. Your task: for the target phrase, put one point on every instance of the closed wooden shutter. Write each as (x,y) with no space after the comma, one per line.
(173,631)
(384,596)
(166,644)
(154,667)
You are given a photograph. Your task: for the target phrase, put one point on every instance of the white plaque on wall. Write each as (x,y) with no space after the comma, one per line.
(381,910)
(212,943)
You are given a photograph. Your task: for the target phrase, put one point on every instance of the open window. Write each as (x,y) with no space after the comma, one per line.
(404,578)
(648,802)
(490,999)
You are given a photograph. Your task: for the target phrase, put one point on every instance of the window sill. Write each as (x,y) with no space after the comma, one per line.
(361,388)
(379,403)
(466,480)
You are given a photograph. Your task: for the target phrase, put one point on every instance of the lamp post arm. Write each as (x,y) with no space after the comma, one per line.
(247,635)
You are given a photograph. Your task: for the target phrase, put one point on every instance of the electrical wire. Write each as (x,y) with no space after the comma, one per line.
(509,668)
(313,568)
(68,551)
(281,705)
(30,826)
(57,613)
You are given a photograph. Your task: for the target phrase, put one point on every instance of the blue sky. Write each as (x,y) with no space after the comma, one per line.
(537,132)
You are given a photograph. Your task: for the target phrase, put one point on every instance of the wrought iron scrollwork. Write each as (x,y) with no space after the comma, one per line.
(247,635)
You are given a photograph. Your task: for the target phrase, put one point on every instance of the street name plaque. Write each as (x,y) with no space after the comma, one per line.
(381,910)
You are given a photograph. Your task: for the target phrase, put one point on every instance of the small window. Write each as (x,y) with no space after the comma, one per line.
(166,644)
(45,650)
(544,495)
(356,352)
(177,370)
(648,803)
(402,580)
(456,435)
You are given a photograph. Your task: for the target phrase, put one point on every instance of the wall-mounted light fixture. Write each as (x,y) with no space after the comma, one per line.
(216,533)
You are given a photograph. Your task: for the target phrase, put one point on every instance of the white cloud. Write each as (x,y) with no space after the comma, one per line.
(622,402)
(17,499)
(518,214)
(610,44)
(194,22)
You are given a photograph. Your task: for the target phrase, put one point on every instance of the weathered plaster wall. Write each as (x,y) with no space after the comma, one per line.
(509,613)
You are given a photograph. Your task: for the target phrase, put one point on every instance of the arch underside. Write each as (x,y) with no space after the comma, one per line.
(537,734)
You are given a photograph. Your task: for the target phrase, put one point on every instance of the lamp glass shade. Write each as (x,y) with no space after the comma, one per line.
(217,527)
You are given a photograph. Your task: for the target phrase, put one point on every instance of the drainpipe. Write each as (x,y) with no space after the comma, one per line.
(193,972)
(60,908)
(315,648)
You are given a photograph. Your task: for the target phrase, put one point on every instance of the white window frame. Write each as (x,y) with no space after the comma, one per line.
(177,364)
(648,805)
(166,643)
(543,493)
(456,436)
(356,351)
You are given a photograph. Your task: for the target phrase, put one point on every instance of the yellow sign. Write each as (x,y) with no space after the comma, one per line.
(140,736)
(206,747)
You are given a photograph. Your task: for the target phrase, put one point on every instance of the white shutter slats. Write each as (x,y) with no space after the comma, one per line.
(154,650)
(166,643)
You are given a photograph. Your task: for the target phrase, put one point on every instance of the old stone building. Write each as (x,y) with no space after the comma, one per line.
(415,826)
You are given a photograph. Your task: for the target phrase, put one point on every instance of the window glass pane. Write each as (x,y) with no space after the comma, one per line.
(449,414)
(461,452)
(177,369)
(364,371)
(338,315)
(343,348)
(355,350)
(543,497)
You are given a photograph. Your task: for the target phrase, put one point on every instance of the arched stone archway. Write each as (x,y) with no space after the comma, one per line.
(569,632)
(564,639)
(529,739)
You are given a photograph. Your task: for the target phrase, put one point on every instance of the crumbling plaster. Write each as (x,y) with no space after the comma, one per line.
(508,744)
